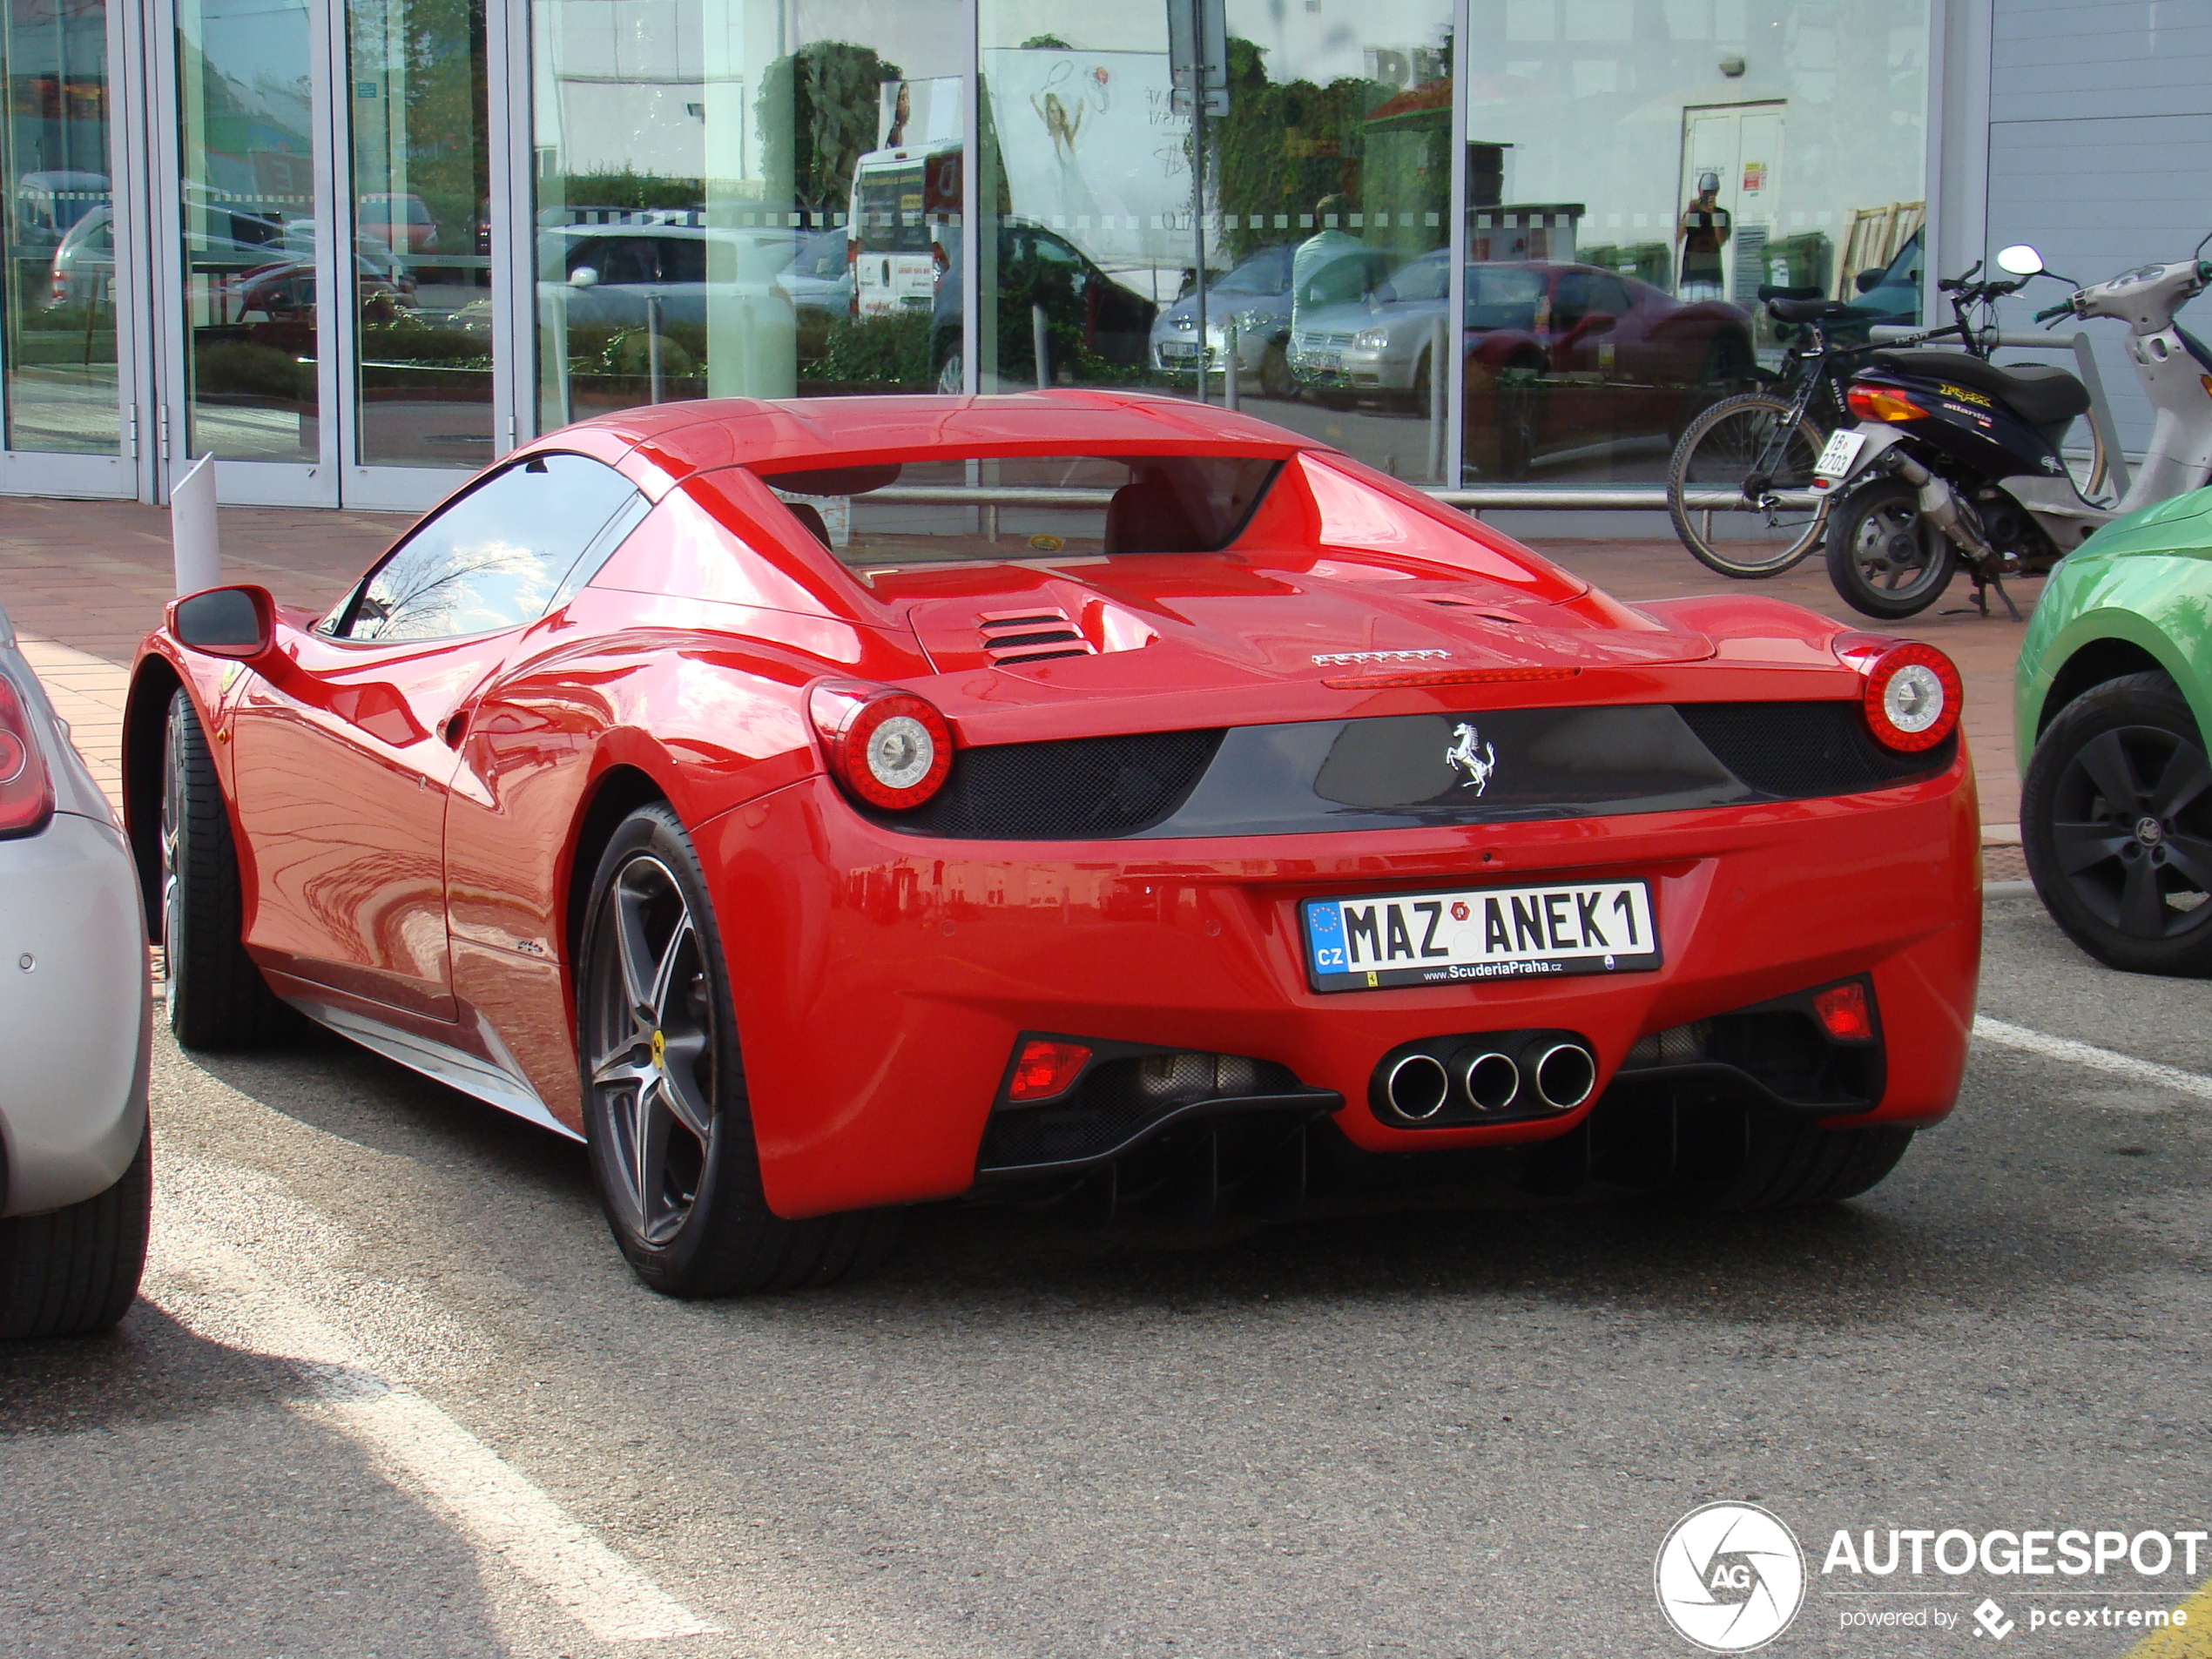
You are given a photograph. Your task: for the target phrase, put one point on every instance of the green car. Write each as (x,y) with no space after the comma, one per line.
(2111,702)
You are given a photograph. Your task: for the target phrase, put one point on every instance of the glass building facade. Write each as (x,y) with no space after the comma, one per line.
(357,250)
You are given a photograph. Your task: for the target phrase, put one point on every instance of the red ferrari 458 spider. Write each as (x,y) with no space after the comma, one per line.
(821,807)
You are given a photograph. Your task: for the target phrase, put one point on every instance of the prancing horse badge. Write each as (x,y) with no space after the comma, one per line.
(1469,755)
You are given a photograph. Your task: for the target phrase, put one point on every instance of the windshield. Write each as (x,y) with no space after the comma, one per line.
(1422,280)
(1502,296)
(1268,273)
(891,210)
(930,510)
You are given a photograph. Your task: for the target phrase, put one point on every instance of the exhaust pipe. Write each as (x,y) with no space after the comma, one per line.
(1417,1087)
(1944,510)
(1489,1079)
(1565,1073)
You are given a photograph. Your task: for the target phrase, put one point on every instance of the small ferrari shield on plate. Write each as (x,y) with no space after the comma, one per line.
(1376,941)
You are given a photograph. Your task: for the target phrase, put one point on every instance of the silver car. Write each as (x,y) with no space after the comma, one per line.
(75,1024)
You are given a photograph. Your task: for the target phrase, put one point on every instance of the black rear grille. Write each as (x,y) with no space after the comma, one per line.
(1798,751)
(1069,789)
(1393,772)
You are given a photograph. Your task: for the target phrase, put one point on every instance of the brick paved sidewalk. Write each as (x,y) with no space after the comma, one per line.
(91,578)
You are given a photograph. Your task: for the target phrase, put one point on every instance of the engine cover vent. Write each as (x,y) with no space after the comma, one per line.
(1036,636)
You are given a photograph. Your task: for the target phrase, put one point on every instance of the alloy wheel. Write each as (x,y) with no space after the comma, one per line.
(651,1058)
(2128,831)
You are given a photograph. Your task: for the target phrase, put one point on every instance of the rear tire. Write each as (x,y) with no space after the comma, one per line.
(666,1116)
(1884,559)
(1749,1160)
(2122,753)
(73,1271)
(1719,449)
(215,995)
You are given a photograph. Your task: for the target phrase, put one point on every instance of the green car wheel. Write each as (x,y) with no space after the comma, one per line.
(2116,821)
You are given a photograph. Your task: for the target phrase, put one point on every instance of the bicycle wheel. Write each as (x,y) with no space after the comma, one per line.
(1731,441)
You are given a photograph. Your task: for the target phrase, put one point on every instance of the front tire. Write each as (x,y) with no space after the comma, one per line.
(73,1271)
(1883,557)
(2116,821)
(666,1114)
(215,996)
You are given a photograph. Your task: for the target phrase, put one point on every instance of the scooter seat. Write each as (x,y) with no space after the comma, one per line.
(2040,394)
(1810,310)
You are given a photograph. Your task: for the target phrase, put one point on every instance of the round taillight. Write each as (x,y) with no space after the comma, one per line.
(1912,697)
(15,754)
(891,748)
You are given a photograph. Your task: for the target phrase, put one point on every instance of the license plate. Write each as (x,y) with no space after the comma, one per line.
(1843,446)
(1376,941)
(1177,348)
(1329,361)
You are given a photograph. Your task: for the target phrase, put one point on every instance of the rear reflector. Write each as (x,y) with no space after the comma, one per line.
(1046,1070)
(1843,1012)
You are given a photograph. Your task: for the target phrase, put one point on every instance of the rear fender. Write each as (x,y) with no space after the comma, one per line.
(1881,437)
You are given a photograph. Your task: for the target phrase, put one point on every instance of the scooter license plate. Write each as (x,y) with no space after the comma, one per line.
(1842,449)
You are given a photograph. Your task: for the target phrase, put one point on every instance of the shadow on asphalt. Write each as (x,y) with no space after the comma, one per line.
(1955,1221)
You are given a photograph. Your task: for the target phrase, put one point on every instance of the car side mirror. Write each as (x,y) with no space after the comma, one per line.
(1867,281)
(2021,259)
(225,622)
(584,277)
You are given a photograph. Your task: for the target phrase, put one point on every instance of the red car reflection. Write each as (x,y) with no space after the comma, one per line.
(823,807)
(1562,356)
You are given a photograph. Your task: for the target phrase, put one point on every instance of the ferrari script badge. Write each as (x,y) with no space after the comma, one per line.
(1469,755)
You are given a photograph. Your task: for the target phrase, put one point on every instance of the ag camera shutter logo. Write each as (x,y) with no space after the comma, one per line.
(1730,1577)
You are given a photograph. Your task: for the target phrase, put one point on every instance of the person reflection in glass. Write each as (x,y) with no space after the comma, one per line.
(1705,228)
(1315,254)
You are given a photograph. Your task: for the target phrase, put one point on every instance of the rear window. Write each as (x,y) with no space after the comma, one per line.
(891,217)
(992,508)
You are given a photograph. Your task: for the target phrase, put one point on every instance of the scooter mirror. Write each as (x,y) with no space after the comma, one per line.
(2021,259)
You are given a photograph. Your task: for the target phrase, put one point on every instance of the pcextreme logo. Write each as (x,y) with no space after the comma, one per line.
(1730,1577)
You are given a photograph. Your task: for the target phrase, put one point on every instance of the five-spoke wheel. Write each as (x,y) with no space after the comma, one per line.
(666,1113)
(2116,821)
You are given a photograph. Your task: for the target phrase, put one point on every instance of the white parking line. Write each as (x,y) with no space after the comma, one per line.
(2084,1054)
(228,1299)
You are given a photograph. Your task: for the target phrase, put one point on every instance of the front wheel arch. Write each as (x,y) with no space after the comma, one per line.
(2097,662)
(145,719)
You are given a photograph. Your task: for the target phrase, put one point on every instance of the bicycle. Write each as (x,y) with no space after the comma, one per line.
(1750,455)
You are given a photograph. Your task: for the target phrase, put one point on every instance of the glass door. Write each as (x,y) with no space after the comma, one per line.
(65,389)
(247,240)
(417,159)
(331,249)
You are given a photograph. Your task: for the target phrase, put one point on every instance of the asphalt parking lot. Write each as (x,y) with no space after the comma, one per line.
(390,1390)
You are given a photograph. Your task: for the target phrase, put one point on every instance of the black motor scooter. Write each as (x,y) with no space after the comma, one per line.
(1958,461)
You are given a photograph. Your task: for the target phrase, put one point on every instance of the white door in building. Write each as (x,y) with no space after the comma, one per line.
(1739,147)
